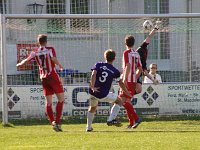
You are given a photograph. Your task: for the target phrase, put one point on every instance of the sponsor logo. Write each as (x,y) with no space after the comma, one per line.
(191,111)
(83,112)
(83,103)
(12,98)
(150,95)
(147,111)
(12,114)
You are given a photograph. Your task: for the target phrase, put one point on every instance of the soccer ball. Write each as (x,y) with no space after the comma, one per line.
(147,25)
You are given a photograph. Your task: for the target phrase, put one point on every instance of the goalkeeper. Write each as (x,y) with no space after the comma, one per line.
(143,52)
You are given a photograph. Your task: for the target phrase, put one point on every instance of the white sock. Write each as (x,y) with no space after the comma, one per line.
(114,112)
(90,118)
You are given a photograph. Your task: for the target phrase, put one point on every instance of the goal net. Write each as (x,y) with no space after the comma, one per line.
(80,41)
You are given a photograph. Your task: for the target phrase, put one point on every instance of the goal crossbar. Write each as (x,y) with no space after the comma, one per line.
(101,16)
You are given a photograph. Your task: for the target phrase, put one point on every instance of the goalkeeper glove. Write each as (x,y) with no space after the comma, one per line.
(158,25)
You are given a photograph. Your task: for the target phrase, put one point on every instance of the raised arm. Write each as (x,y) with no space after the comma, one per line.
(151,34)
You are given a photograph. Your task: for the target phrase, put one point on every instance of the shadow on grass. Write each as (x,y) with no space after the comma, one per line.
(8,125)
(44,121)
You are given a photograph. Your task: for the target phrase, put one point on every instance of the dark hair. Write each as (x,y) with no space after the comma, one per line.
(42,39)
(129,41)
(109,55)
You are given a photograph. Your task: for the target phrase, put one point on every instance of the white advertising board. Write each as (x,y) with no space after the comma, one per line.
(163,99)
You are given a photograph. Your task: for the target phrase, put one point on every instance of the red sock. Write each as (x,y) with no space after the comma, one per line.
(132,116)
(59,108)
(49,112)
(135,116)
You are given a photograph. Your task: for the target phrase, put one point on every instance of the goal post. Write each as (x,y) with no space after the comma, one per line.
(80,40)
(4,70)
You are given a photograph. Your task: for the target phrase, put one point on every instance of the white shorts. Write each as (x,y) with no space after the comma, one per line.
(110,98)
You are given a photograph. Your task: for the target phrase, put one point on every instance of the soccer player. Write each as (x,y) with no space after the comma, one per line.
(102,76)
(143,52)
(46,60)
(132,69)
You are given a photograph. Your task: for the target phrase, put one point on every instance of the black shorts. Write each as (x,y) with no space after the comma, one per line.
(139,80)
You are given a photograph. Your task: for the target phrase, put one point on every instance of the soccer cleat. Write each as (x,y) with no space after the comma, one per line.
(129,127)
(59,128)
(89,130)
(137,123)
(56,127)
(114,123)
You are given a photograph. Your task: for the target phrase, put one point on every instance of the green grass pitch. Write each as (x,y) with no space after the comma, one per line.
(153,135)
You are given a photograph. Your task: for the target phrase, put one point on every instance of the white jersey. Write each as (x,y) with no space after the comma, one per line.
(156,76)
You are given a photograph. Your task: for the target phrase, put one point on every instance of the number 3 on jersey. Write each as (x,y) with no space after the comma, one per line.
(103,76)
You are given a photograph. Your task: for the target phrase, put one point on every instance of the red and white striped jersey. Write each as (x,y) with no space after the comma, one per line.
(133,58)
(43,56)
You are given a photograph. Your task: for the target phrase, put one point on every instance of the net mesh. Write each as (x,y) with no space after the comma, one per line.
(80,43)
(79,48)
(173,48)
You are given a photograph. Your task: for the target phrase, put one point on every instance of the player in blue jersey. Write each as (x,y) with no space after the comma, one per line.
(102,76)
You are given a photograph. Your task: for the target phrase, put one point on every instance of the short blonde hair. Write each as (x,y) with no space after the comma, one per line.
(153,64)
